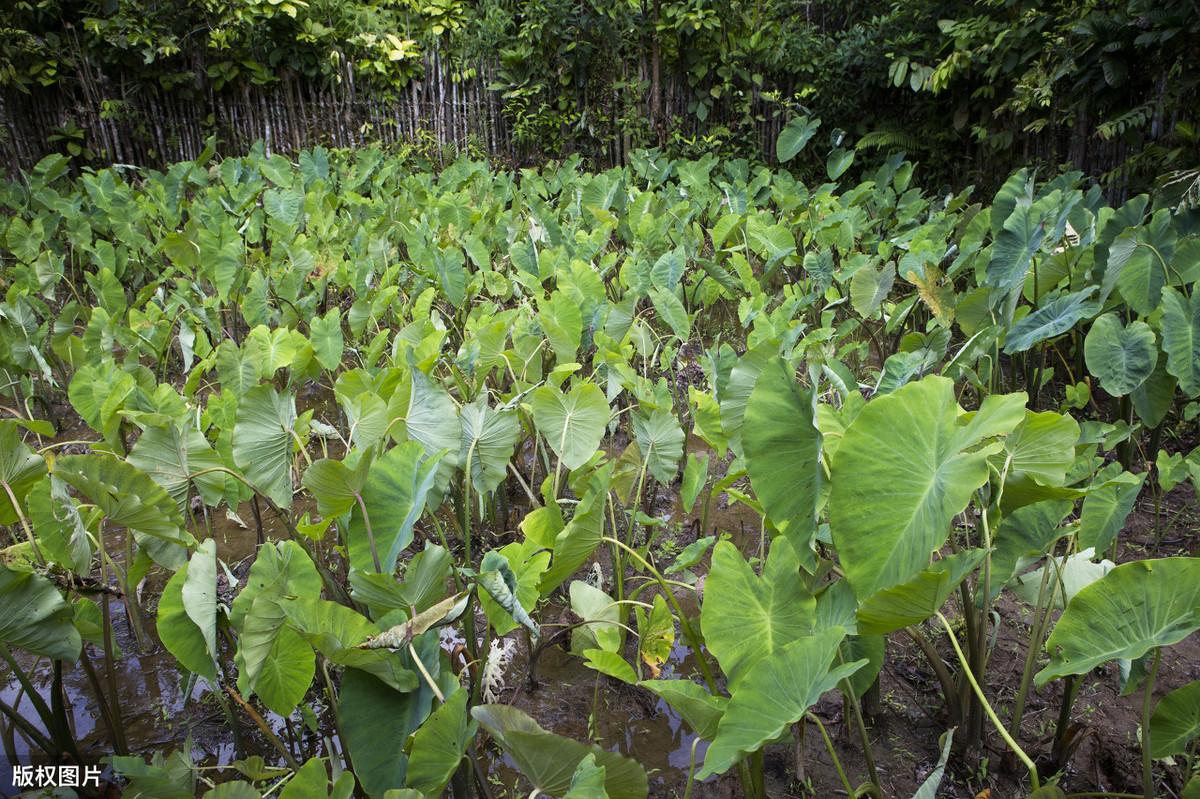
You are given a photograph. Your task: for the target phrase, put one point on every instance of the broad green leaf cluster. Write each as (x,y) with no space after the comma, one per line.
(458,396)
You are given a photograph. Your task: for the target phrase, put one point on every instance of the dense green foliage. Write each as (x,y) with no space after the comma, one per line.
(974,90)
(915,395)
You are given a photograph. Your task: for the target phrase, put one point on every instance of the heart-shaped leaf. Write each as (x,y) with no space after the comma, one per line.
(660,440)
(179,634)
(488,439)
(908,463)
(20,468)
(1176,721)
(917,599)
(394,495)
(179,459)
(263,441)
(1120,357)
(783,452)
(795,135)
(130,499)
(776,692)
(746,617)
(1157,602)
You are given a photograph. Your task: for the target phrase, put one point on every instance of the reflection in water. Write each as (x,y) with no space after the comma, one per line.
(573,700)
(155,713)
(626,719)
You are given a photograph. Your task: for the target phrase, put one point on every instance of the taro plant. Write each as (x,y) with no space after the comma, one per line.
(468,417)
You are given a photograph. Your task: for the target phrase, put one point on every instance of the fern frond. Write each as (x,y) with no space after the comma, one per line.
(887,140)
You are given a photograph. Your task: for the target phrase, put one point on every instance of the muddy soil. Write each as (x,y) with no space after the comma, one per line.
(908,718)
(162,712)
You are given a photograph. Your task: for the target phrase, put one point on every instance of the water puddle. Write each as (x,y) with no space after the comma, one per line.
(162,712)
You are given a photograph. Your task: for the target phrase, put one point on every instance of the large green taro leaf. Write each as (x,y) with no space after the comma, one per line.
(396,488)
(272,350)
(1153,399)
(746,617)
(376,721)
(281,569)
(1052,319)
(336,631)
(783,451)
(199,593)
(336,486)
(36,618)
(431,418)
(576,542)
(263,439)
(777,691)
(870,287)
(1176,721)
(367,415)
(914,601)
(734,394)
(549,761)
(562,323)
(1141,255)
(1016,243)
(61,532)
(794,136)
(906,466)
(20,468)
(325,333)
(1133,609)
(1106,269)
(439,744)
(671,310)
(423,585)
(98,392)
(171,456)
(1180,327)
(668,269)
(237,372)
(1106,507)
(283,663)
(178,633)
(488,439)
(130,499)
(1042,447)
(1120,357)
(661,441)
(572,423)
(272,659)
(1017,190)
(1024,536)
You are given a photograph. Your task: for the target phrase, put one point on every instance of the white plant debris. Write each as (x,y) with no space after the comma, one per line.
(496,668)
